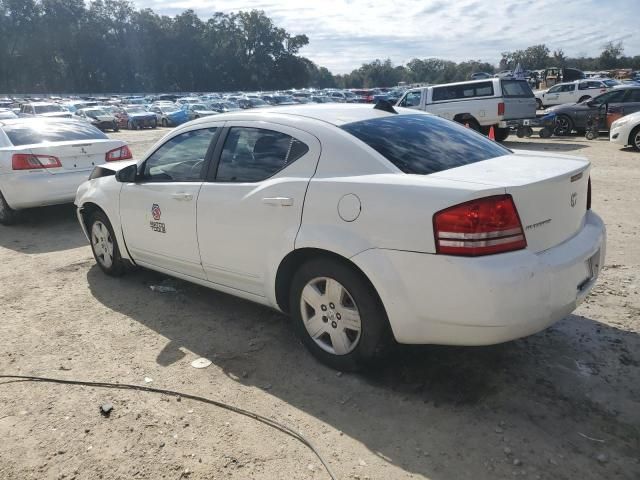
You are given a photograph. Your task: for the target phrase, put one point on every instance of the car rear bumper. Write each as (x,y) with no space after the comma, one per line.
(449,300)
(38,188)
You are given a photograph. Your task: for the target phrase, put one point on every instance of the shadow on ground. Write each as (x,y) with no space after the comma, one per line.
(553,144)
(418,409)
(43,230)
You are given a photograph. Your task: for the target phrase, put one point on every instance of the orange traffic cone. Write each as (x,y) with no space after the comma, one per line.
(492,134)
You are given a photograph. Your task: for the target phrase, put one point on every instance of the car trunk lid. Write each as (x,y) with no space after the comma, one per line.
(549,191)
(77,155)
(519,101)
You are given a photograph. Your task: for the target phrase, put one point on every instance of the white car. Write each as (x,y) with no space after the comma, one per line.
(364,225)
(626,131)
(577,91)
(44,160)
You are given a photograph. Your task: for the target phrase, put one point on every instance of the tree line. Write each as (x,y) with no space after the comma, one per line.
(73,46)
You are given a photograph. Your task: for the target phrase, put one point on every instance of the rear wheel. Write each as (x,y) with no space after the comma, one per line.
(104,245)
(114,127)
(501,134)
(8,216)
(338,315)
(634,138)
(154,124)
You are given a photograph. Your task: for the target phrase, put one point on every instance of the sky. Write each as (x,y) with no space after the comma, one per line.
(344,34)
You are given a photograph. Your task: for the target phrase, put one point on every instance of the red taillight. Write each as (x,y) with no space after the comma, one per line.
(27,161)
(501,108)
(589,194)
(120,153)
(480,227)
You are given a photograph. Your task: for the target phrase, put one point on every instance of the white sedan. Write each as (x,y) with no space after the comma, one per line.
(44,160)
(626,131)
(364,224)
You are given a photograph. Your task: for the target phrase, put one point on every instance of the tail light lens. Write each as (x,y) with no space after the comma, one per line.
(27,161)
(120,153)
(480,227)
(501,108)
(589,194)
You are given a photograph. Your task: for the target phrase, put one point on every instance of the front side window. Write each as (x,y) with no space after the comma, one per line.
(180,159)
(411,99)
(609,97)
(424,144)
(567,88)
(554,89)
(633,96)
(255,154)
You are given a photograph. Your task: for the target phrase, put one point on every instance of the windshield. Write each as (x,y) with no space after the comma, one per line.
(424,144)
(48,108)
(95,113)
(611,83)
(199,107)
(516,88)
(44,132)
(135,110)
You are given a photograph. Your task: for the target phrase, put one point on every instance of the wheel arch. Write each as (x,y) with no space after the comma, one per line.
(465,117)
(632,134)
(295,259)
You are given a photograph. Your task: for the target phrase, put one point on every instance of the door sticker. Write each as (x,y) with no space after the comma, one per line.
(156,224)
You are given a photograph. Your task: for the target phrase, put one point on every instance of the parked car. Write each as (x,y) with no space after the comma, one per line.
(43,109)
(223,107)
(284,100)
(306,209)
(169,115)
(135,117)
(44,160)
(246,103)
(573,92)
(480,104)
(480,76)
(626,131)
(7,113)
(574,116)
(99,118)
(197,110)
(363,96)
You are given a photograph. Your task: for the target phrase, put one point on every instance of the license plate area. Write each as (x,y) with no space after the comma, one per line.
(593,269)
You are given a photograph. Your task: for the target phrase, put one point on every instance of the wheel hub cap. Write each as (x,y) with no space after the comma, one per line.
(102,244)
(330,316)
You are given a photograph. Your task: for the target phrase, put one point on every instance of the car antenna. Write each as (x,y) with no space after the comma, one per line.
(385,106)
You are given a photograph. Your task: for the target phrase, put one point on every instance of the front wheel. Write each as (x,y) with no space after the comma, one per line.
(564,125)
(105,246)
(634,138)
(338,315)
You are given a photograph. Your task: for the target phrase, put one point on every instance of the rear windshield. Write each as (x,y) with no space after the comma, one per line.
(48,108)
(44,132)
(424,144)
(516,88)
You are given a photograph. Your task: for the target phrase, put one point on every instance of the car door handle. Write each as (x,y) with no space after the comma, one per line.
(278,201)
(186,197)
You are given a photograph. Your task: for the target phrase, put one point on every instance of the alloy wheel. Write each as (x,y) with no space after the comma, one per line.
(102,244)
(330,315)
(636,139)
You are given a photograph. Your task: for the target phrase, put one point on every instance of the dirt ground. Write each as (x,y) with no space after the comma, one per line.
(563,404)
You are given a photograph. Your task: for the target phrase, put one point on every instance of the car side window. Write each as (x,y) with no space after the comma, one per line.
(411,99)
(633,96)
(554,89)
(179,159)
(584,86)
(255,154)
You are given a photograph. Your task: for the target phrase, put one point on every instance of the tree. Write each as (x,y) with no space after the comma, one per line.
(610,54)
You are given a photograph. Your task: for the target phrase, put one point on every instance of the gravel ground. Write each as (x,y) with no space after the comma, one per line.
(562,404)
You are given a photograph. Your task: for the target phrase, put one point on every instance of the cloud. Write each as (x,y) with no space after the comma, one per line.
(343,34)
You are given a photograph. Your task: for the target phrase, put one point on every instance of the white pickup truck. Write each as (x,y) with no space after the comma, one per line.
(480,104)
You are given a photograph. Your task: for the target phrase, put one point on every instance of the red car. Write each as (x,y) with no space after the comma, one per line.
(135,117)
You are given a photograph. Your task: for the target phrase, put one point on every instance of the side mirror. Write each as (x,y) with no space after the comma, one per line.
(128,174)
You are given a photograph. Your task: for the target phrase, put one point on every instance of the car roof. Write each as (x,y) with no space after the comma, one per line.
(37,120)
(334,113)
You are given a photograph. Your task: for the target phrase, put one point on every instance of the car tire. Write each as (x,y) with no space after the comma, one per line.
(115,127)
(104,245)
(564,126)
(8,216)
(348,300)
(130,125)
(154,124)
(501,134)
(634,138)
(582,99)
(539,104)
(165,123)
